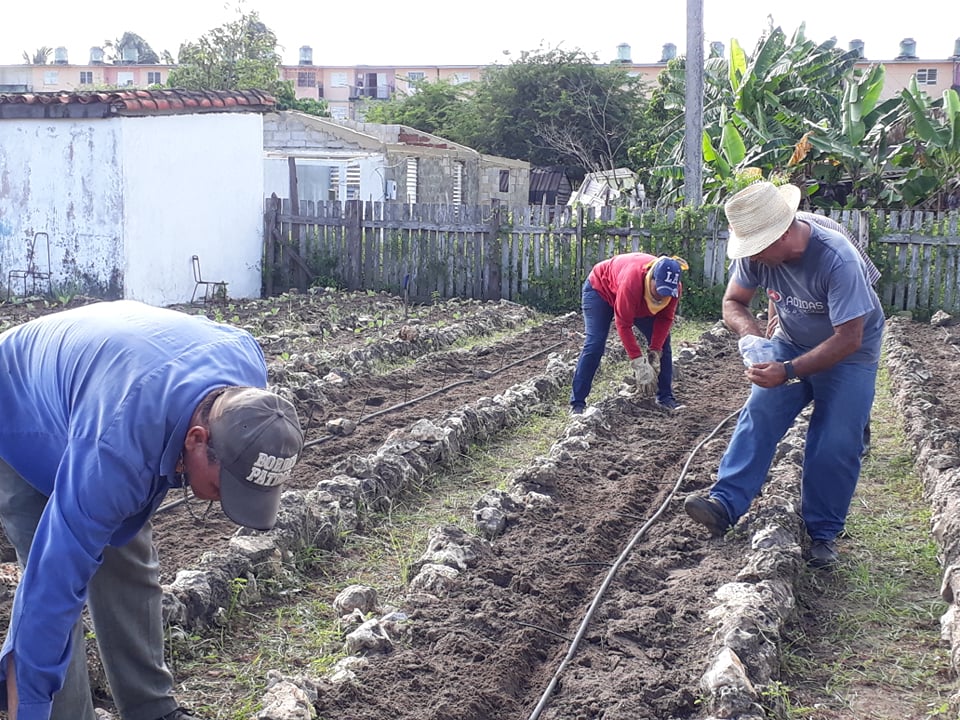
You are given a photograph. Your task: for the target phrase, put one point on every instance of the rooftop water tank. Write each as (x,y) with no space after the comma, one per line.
(623,53)
(857,47)
(96,56)
(129,54)
(60,56)
(669,52)
(908,49)
(306,55)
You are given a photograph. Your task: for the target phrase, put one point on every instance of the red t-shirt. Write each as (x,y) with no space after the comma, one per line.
(620,281)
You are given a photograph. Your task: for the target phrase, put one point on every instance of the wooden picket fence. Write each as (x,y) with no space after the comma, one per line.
(542,254)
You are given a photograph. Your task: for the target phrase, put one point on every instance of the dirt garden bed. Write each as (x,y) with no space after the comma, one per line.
(489,617)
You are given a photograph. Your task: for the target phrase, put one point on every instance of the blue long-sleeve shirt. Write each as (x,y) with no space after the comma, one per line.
(96,404)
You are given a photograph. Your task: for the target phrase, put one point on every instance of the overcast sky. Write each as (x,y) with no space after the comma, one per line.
(435,32)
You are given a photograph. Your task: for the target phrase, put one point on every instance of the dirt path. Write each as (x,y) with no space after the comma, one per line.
(488,647)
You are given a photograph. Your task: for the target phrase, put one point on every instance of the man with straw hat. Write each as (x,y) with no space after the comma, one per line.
(826,349)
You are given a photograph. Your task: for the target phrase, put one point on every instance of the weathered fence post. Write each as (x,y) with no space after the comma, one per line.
(491,257)
(271,229)
(353,219)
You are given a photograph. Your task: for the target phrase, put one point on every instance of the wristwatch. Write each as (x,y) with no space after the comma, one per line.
(788,368)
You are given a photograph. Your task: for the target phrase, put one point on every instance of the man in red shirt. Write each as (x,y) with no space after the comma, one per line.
(634,290)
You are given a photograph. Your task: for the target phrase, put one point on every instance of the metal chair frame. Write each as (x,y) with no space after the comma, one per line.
(32,272)
(212,289)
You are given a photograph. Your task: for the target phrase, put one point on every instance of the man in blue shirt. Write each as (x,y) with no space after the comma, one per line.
(106,408)
(827,349)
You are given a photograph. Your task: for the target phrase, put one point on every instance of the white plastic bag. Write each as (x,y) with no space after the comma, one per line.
(756,349)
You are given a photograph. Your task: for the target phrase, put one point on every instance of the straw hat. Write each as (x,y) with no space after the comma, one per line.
(758,215)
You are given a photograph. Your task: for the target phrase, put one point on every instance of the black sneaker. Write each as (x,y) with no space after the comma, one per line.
(670,404)
(823,554)
(577,409)
(710,512)
(181,713)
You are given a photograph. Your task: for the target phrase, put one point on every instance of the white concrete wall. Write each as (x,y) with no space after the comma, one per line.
(62,177)
(193,185)
(127,201)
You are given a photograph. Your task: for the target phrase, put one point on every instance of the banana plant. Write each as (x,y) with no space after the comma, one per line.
(757,108)
(936,126)
(865,149)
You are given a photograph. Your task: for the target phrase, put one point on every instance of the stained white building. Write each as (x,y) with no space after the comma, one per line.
(129,185)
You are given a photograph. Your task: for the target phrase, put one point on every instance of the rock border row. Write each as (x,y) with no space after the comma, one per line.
(319,518)
(937,464)
(746,624)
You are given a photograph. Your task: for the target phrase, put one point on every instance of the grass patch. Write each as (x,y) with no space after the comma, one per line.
(874,645)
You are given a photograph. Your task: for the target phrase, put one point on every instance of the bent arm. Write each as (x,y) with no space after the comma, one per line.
(846,340)
(736,310)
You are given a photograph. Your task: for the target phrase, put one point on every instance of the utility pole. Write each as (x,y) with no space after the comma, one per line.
(693,117)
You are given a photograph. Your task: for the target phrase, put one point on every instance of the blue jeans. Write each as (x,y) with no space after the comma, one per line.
(842,397)
(597,316)
(124,598)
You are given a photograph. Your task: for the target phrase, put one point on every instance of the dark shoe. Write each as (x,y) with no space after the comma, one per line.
(866,442)
(670,404)
(823,554)
(577,409)
(181,713)
(710,512)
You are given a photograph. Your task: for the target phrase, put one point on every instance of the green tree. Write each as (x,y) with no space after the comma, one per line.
(238,55)
(40,56)
(433,107)
(555,107)
(287,99)
(113,49)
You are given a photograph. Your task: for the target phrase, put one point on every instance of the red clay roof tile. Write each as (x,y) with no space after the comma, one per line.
(153,102)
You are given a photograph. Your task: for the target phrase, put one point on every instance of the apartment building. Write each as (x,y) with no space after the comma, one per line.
(348,89)
(61,75)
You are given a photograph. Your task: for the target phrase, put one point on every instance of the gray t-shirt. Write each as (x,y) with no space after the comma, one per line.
(826,287)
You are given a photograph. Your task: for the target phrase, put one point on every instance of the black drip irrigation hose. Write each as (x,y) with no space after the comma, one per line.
(584,624)
(414,401)
(443,389)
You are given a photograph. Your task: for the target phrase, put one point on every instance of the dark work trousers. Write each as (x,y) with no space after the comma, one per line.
(597,316)
(124,599)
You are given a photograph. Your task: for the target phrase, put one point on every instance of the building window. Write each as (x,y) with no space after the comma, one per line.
(124,79)
(461,78)
(153,78)
(458,183)
(86,77)
(416,75)
(306,79)
(353,182)
(334,183)
(504,181)
(338,79)
(413,166)
(927,76)
(50,77)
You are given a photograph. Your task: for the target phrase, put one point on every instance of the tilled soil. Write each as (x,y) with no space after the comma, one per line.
(491,646)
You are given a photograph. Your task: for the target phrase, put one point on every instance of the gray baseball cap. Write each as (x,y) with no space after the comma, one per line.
(257,437)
